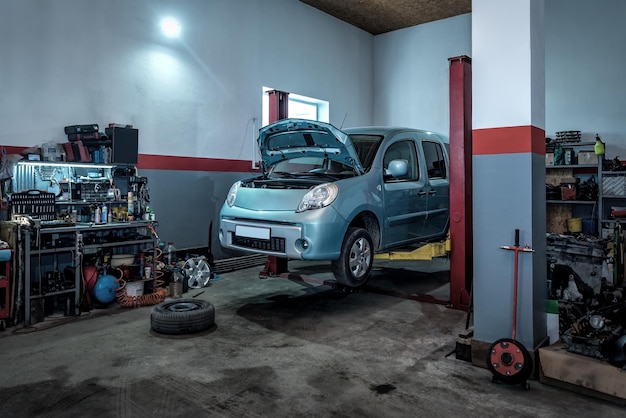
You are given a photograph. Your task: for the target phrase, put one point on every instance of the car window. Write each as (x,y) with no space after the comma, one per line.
(403,150)
(435,161)
(366,147)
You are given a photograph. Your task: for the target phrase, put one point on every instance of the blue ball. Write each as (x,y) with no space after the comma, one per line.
(104,290)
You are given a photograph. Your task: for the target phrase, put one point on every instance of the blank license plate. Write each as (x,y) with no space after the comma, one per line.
(252,232)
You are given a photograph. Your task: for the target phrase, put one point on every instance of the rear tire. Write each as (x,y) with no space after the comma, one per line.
(183,316)
(354,265)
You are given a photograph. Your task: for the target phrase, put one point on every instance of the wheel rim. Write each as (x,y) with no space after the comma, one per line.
(182,307)
(198,272)
(360,257)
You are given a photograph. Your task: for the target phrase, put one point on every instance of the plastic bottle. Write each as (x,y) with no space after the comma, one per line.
(142,261)
(176,290)
(131,209)
(104,213)
(110,216)
(170,253)
(598,147)
(98,216)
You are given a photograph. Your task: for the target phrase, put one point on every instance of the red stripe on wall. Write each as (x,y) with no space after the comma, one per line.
(11,149)
(166,162)
(509,140)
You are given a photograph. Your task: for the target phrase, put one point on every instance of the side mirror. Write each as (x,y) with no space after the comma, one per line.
(397,169)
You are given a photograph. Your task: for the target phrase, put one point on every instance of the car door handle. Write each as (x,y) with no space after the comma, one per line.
(421,193)
(432,191)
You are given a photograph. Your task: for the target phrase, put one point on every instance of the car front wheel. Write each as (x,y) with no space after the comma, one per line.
(354,265)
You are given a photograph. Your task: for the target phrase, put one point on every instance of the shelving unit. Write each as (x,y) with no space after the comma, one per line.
(54,249)
(559,210)
(81,186)
(5,294)
(612,194)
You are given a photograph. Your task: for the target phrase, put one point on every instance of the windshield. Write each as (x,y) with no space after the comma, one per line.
(311,166)
(365,146)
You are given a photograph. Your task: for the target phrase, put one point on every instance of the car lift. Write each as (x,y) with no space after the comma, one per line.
(461,218)
(425,252)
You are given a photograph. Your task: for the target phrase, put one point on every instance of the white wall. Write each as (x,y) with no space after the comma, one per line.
(508,70)
(84,61)
(411,73)
(585,78)
(66,62)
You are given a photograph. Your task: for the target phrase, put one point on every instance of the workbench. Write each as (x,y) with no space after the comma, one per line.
(50,252)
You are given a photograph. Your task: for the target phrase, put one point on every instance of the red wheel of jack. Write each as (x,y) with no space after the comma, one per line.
(509,361)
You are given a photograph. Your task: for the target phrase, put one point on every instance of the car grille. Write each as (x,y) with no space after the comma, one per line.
(273,244)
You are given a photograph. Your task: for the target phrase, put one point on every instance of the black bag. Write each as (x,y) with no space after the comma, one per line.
(82,129)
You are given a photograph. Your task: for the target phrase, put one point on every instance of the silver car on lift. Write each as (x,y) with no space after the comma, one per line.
(339,195)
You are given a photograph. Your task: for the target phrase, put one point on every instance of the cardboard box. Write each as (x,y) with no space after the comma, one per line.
(568,192)
(588,375)
(587,157)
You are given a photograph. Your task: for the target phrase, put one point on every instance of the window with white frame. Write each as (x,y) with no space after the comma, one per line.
(298,106)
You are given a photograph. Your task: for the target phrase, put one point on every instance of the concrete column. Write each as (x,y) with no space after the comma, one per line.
(508,168)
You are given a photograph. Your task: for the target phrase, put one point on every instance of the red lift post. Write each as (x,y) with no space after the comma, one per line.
(461,255)
(278,109)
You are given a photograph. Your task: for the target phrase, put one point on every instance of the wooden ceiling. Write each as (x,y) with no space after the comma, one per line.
(380,16)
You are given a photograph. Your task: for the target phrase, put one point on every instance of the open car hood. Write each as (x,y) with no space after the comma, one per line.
(293,138)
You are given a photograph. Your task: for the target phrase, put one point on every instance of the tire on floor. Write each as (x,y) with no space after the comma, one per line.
(183,316)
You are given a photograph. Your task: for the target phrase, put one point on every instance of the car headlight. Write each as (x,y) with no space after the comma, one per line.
(232,194)
(318,197)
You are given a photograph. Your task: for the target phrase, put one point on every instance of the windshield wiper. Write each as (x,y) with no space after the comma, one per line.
(282,174)
(317,174)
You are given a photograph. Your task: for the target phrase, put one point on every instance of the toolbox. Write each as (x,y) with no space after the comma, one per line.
(38,204)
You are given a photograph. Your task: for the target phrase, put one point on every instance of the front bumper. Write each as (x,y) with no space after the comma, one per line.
(317,236)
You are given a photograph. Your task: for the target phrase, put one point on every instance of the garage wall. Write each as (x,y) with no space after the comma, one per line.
(585,83)
(87,61)
(411,73)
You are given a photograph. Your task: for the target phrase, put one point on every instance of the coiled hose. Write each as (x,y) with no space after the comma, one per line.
(149,299)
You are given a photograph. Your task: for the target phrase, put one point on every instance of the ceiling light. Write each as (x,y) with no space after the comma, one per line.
(170,27)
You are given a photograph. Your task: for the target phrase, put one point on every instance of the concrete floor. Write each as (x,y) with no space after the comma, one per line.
(280,348)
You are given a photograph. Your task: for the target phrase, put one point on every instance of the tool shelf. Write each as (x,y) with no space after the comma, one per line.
(39,259)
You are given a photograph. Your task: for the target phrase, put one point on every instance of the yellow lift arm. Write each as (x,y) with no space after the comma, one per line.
(425,252)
